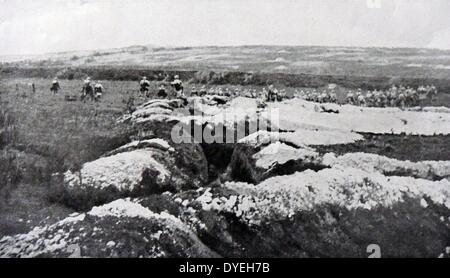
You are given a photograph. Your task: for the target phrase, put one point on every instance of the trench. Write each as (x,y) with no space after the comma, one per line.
(232,162)
(399,146)
(219,155)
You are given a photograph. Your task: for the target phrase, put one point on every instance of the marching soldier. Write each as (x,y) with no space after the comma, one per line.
(178,86)
(350,99)
(55,86)
(194,92)
(162,91)
(203,91)
(87,90)
(98,91)
(144,86)
(272,93)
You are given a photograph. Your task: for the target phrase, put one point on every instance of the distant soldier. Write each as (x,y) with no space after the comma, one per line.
(390,98)
(33,88)
(162,91)
(264,94)
(432,93)
(87,90)
(369,99)
(376,98)
(322,98)
(98,91)
(333,97)
(411,97)
(261,103)
(350,98)
(203,91)
(382,99)
(227,92)
(55,86)
(178,86)
(194,91)
(281,95)
(144,86)
(401,100)
(272,93)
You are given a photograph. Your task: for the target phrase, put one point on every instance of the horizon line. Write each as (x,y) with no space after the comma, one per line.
(223,46)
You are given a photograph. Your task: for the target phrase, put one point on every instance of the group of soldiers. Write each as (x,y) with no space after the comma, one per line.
(90,89)
(270,94)
(319,96)
(177,84)
(93,90)
(393,97)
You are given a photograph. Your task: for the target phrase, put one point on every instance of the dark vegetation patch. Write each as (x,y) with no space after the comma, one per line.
(402,147)
(221,77)
(242,167)
(292,166)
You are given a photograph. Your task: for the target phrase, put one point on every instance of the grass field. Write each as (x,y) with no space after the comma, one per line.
(45,134)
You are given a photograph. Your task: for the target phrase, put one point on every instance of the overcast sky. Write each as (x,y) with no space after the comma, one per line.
(39,26)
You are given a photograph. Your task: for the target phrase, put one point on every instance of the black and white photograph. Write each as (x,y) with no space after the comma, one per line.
(228,129)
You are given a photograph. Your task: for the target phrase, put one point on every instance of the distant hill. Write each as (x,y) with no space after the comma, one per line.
(318,60)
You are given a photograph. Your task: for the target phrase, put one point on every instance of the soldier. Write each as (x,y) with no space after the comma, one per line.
(55,86)
(203,91)
(401,100)
(333,97)
(144,86)
(281,95)
(409,97)
(377,98)
(383,99)
(361,100)
(178,86)
(87,90)
(322,98)
(236,92)
(162,91)
(264,94)
(272,93)
(432,93)
(261,103)
(98,91)
(194,92)
(350,99)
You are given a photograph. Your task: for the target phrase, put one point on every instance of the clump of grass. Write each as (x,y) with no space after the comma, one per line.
(8,128)
(10,174)
(9,171)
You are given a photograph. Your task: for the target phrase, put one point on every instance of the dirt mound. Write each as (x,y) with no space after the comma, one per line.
(334,212)
(253,164)
(148,164)
(123,228)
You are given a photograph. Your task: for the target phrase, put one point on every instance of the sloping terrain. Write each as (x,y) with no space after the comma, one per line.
(393,62)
